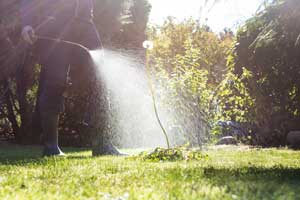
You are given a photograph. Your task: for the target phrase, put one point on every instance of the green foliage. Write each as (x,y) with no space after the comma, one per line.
(174,154)
(262,86)
(188,62)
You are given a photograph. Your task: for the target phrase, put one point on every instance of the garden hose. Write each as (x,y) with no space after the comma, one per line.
(39,37)
(150,83)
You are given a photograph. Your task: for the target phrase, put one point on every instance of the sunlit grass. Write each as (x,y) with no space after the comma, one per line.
(229,173)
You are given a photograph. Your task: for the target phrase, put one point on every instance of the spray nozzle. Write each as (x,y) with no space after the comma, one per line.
(148,44)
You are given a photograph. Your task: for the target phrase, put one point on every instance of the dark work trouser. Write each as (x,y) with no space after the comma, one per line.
(56,59)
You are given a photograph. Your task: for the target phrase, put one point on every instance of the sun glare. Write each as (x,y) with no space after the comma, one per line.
(226,13)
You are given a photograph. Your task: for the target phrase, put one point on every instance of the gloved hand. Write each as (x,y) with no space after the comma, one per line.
(28,34)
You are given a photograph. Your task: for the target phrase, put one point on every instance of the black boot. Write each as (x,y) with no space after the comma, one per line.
(106,149)
(50,130)
(52,151)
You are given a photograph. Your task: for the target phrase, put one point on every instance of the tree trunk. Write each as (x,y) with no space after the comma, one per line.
(10,112)
(25,79)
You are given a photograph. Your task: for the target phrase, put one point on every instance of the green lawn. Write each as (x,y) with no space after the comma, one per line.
(229,173)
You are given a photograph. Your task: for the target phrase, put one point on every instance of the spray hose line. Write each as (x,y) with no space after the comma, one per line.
(39,37)
(154,101)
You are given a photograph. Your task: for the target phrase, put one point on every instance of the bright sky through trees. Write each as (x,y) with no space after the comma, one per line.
(226,13)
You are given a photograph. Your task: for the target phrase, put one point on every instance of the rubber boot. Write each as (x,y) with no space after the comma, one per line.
(50,130)
(107,149)
(103,146)
(52,151)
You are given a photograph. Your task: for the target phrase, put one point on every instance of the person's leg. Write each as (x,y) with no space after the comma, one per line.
(51,100)
(50,129)
(97,113)
(54,59)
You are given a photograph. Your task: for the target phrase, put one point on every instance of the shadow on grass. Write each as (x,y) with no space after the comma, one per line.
(272,173)
(257,182)
(221,174)
(22,155)
(250,182)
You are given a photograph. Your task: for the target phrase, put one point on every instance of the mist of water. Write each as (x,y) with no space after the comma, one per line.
(132,117)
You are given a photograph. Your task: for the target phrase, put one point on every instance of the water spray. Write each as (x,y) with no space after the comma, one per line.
(149,45)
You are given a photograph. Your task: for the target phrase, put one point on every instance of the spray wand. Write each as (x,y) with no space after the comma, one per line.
(39,37)
(149,45)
